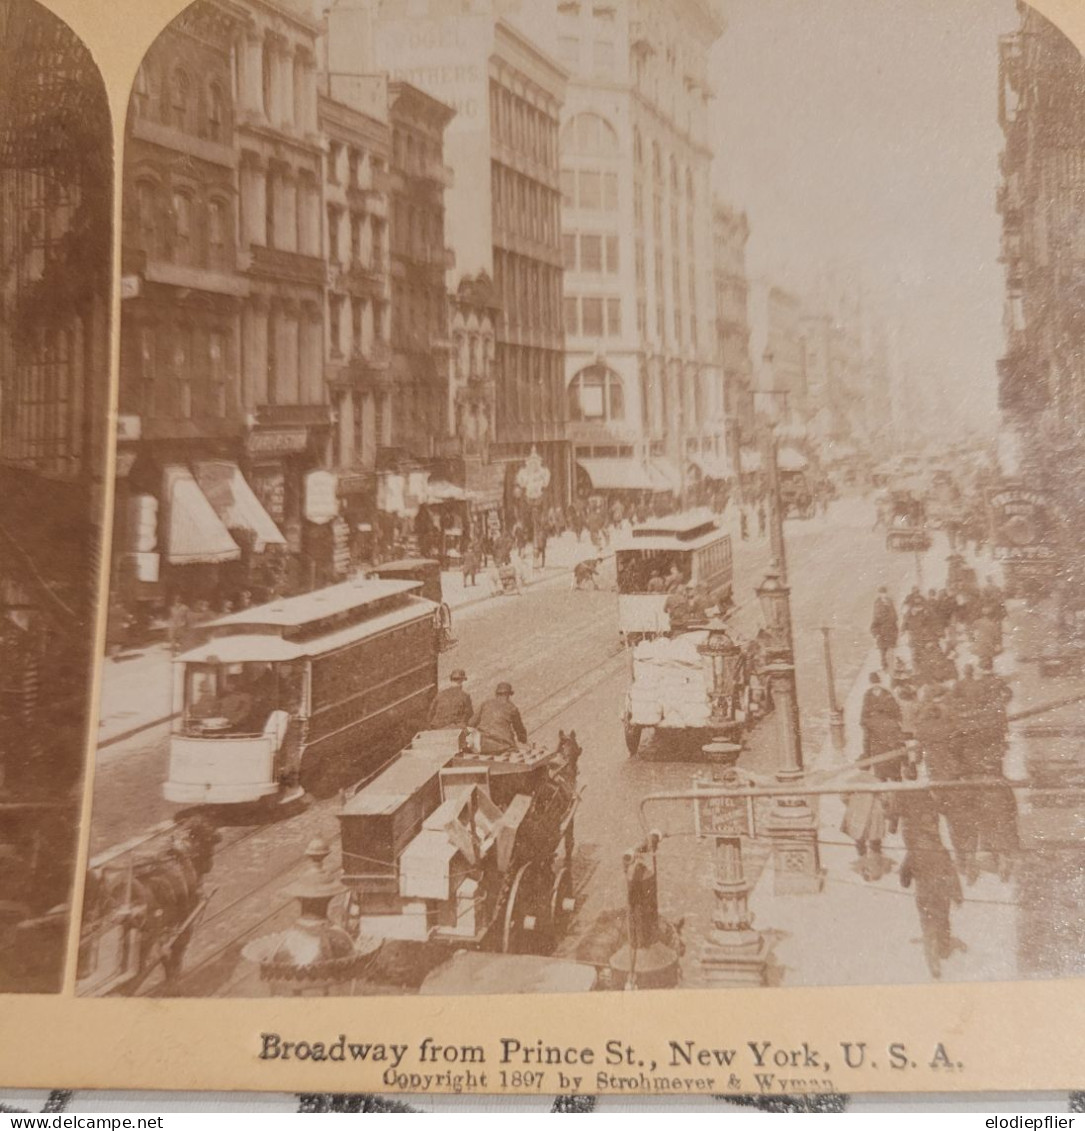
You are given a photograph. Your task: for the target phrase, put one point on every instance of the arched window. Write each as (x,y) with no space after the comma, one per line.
(589,135)
(141,93)
(180,100)
(216,113)
(596,393)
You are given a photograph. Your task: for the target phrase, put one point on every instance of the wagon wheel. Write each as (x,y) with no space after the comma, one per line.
(519,921)
(562,901)
(632,737)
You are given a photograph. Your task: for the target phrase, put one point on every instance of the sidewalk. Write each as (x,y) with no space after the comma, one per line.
(806,930)
(136,686)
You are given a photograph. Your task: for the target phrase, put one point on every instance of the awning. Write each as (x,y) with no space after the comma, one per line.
(750,460)
(235,502)
(667,475)
(790,459)
(194,533)
(619,475)
(710,466)
(441,491)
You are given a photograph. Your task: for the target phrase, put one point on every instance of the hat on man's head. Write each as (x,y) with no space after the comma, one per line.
(458,676)
(875,678)
(504,689)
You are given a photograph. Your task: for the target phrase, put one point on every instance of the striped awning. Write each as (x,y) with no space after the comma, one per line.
(194,532)
(235,502)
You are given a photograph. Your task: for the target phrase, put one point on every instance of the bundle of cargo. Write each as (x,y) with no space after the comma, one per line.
(671,683)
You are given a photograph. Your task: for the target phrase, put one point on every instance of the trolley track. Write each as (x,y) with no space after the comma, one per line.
(555,703)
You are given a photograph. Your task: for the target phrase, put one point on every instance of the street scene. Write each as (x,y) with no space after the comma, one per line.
(55,242)
(571,532)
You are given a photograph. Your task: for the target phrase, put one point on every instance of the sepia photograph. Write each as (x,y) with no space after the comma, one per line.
(56,196)
(594,502)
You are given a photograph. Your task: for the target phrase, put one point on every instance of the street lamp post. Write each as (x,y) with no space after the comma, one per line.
(836,715)
(734,954)
(793,824)
(723,656)
(776,507)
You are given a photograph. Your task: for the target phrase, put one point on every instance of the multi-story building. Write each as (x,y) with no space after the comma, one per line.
(776,350)
(503,211)
(55,284)
(421,420)
(643,380)
(282,379)
(180,407)
(730,233)
(357,361)
(1042,113)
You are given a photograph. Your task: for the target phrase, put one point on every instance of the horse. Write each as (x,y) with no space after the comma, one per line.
(154,898)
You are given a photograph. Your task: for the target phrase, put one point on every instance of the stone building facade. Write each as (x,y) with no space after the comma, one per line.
(644,386)
(730,233)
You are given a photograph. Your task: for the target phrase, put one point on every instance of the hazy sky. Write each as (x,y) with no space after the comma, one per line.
(863,135)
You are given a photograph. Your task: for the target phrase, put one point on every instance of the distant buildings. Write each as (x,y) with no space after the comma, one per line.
(730,232)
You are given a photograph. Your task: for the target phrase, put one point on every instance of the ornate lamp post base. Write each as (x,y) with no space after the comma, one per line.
(733,954)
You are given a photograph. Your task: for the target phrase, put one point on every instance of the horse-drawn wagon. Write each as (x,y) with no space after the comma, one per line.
(907,520)
(141,905)
(454,847)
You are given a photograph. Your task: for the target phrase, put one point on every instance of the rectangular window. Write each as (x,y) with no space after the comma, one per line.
(614,317)
(591,401)
(335,150)
(591,310)
(591,190)
(612,255)
(568,247)
(610,191)
(568,188)
(333,234)
(333,324)
(571,321)
(216,351)
(591,254)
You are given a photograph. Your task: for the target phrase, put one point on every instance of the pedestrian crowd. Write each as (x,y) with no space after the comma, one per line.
(928,722)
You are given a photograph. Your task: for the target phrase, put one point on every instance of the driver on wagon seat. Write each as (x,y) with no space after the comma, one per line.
(499,723)
(451,707)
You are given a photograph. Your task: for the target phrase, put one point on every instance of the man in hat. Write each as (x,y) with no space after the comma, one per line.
(451,707)
(880,721)
(499,723)
(883,626)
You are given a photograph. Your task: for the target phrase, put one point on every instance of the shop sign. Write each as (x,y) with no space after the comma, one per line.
(723,816)
(129,427)
(269,484)
(533,478)
(277,441)
(340,547)
(321,497)
(1023,525)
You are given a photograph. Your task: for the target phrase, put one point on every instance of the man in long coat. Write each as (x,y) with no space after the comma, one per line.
(883,625)
(499,723)
(880,720)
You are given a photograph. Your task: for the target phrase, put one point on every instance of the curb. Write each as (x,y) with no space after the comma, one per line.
(131,732)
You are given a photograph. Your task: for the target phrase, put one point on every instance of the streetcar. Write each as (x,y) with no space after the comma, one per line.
(304,693)
(663,554)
